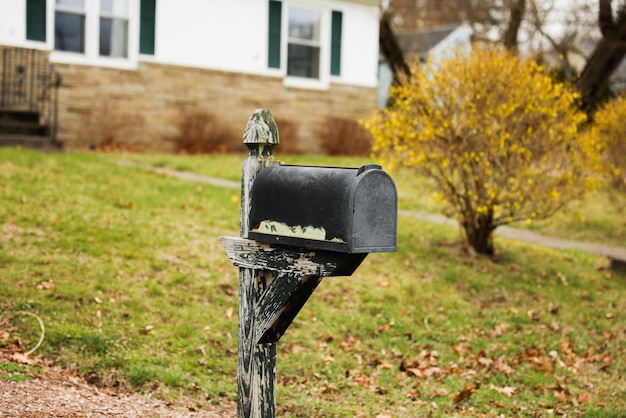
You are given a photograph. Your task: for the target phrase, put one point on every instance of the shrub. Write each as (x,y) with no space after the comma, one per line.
(497,136)
(341,136)
(288,137)
(608,136)
(109,125)
(200,132)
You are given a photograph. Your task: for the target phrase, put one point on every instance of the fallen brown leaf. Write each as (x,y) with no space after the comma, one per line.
(147,330)
(23,359)
(46,285)
(505,390)
(441,392)
(499,329)
(382,390)
(465,393)
(583,398)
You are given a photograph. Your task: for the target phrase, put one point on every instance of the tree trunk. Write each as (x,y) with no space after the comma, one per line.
(518,8)
(479,233)
(391,49)
(606,57)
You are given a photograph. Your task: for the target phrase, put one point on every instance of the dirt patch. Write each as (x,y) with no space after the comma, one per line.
(52,392)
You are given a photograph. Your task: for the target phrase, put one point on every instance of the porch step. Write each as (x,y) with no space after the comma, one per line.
(22,122)
(24,128)
(38,142)
(18,116)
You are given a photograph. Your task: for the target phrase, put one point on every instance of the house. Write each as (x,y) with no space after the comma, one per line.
(133,70)
(434,44)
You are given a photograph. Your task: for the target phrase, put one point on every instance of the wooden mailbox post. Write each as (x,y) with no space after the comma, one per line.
(298,225)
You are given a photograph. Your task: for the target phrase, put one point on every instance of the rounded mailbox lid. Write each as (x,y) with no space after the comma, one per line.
(351,210)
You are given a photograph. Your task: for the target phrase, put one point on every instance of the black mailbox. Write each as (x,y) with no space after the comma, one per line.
(348,210)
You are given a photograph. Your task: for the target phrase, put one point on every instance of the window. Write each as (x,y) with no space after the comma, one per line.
(114,28)
(69,26)
(303,47)
(312,45)
(101,32)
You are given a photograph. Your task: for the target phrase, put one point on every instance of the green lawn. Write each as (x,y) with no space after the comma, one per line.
(124,268)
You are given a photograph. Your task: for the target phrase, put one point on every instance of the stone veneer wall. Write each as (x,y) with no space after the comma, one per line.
(141,108)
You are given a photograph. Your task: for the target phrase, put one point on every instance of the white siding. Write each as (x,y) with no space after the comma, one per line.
(13,22)
(229,35)
(359,52)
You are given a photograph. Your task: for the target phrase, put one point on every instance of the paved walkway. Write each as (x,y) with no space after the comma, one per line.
(614,253)
(617,255)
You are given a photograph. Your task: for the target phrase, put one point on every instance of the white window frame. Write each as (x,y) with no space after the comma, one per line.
(91,55)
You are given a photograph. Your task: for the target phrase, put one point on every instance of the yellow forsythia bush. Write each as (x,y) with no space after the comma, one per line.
(499,137)
(608,137)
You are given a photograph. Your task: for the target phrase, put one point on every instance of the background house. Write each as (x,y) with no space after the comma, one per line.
(134,70)
(433,44)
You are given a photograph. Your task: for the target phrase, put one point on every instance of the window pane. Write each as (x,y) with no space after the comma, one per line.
(106,6)
(303,61)
(114,7)
(304,24)
(75,4)
(69,32)
(113,37)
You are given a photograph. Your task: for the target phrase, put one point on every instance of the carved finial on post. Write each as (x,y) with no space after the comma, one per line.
(261,134)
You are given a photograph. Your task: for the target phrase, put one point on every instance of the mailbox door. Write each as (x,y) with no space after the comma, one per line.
(374,219)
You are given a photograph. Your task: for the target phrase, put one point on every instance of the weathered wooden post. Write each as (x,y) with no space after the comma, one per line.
(256,374)
(298,225)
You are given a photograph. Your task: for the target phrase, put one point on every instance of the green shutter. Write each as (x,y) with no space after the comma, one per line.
(147,18)
(335,43)
(36,20)
(273,49)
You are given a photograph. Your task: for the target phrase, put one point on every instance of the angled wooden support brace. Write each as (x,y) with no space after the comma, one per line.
(298,274)
(280,303)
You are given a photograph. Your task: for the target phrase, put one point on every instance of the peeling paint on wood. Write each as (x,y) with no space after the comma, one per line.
(256,374)
(280,228)
(256,255)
